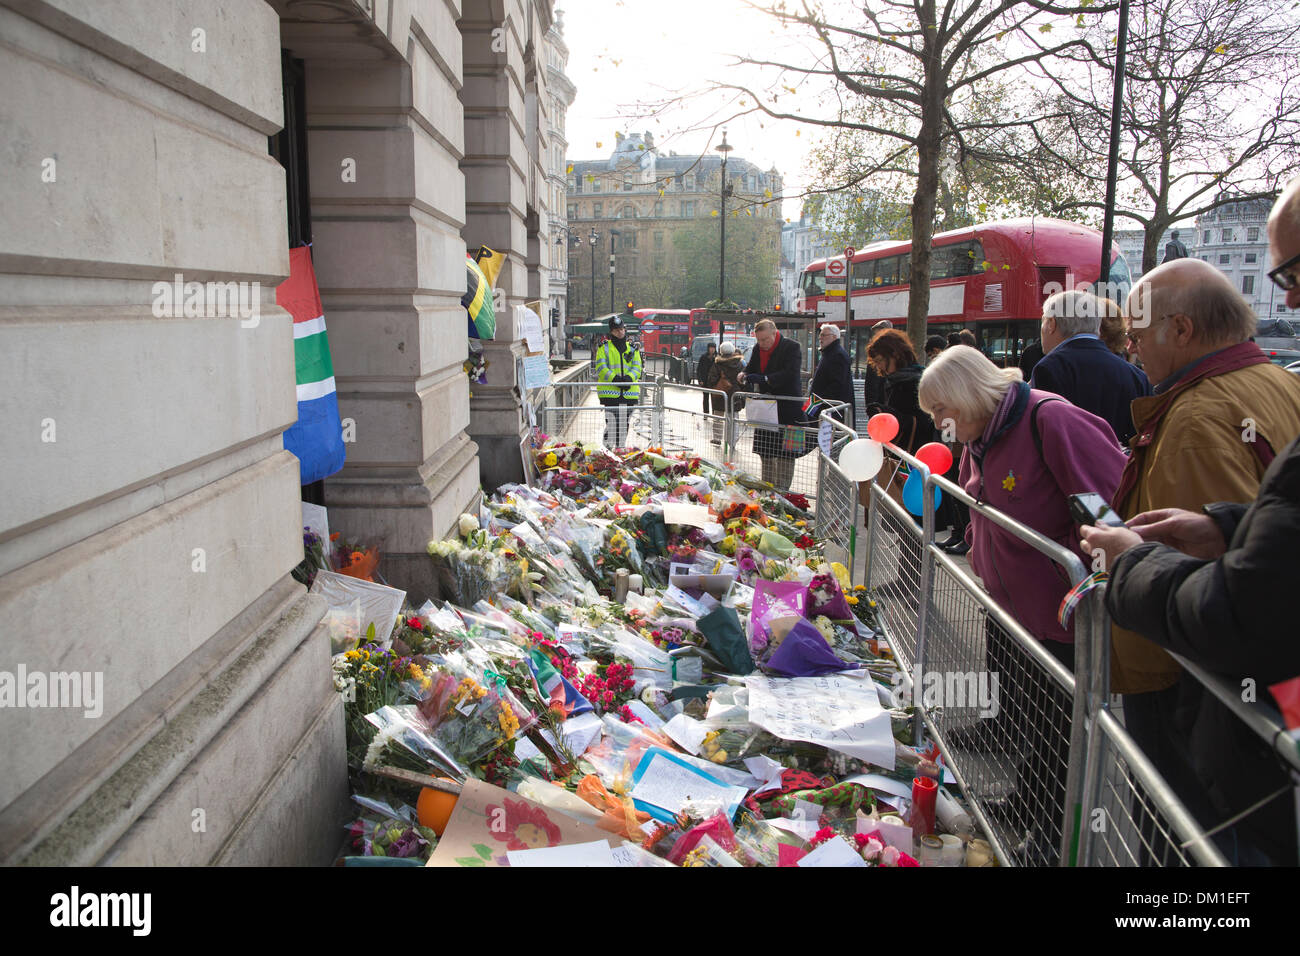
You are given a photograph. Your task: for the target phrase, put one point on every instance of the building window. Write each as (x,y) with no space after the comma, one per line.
(1223,259)
(596,211)
(628,211)
(1247,285)
(690,181)
(573,211)
(659,240)
(1252,234)
(659,208)
(659,265)
(1226,235)
(688,208)
(1251,257)
(1206,236)
(627,185)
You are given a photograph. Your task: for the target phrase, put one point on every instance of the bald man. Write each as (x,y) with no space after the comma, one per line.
(1284,243)
(1219,415)
(1206,583)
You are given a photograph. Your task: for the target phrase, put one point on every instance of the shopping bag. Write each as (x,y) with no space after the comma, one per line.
(761,411)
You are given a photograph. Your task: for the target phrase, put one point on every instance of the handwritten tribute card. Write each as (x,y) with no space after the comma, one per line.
(840,713)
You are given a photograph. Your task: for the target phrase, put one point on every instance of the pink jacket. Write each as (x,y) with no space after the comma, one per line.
(1079,454)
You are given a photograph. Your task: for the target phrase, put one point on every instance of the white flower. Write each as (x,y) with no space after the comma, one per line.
(467,525)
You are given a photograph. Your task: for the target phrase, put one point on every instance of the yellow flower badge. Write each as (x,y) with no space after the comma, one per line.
(1009,482)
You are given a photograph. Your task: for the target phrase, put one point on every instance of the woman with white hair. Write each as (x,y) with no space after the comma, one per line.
(1025,453)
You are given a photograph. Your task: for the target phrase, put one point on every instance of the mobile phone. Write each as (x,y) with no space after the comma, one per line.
(1092,509)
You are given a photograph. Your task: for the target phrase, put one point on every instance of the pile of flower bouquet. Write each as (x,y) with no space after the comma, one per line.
(626,609)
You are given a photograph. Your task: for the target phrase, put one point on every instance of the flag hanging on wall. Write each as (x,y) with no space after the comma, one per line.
(477,301)
(317,437)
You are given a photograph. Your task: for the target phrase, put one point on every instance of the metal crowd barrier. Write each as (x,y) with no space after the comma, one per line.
(673,417)
(1012,721)
(837,505)
(796,464)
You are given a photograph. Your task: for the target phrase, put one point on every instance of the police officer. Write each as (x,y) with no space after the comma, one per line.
(618,372)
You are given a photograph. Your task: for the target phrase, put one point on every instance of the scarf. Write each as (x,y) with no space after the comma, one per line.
(620,344)
(764,355)
(1008,412)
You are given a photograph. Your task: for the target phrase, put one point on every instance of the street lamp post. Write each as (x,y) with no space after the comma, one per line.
(593,239)
(724,149)
(613,233)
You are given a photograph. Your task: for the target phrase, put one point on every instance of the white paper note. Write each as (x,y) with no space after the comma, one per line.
(596,853)
(676,512)
(671,786)
(767,770)
(834,852)
(687,731)
(840,713)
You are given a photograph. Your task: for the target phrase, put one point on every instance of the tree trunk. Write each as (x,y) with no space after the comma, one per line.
(929,143)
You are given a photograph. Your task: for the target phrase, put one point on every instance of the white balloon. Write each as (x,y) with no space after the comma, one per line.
(861,459)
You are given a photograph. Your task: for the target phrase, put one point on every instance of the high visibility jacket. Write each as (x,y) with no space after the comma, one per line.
(610,362)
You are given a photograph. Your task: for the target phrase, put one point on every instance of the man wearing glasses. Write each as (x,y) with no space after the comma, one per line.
(1202,577)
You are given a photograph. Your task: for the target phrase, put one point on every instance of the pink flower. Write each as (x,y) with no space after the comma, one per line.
(889,856)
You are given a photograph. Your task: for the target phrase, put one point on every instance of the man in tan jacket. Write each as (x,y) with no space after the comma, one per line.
(1219,414)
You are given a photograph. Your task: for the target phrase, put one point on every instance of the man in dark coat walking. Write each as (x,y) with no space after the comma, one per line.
(774,369)
(1081,369)
(702,370)
(833,379)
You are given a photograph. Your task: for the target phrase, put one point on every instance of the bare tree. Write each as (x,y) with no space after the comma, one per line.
(894,69)
(1210,113)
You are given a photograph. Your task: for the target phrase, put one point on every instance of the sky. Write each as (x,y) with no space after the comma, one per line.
(628,52)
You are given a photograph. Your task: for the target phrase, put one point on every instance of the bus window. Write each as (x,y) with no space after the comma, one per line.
(887,270)
(814,283)
(862,273)
(959,259)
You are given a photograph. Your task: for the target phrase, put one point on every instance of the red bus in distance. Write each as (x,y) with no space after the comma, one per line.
(990,278)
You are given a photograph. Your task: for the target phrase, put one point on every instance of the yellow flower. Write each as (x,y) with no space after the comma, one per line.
(859,587)
(415,672)
(851,599)
(352,655)
(550,459)
(1009,482)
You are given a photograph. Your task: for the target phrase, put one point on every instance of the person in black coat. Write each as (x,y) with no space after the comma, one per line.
(892,354)
(702,369)
(1080,368)
(774,369)
(1029,359)
(1208,587)
(833,379)
(873,384)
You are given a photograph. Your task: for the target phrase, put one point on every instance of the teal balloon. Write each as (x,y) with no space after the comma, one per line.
(913,490)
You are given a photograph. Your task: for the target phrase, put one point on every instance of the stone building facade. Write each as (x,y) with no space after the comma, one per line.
(151,514)
(1233,239)
(646,197)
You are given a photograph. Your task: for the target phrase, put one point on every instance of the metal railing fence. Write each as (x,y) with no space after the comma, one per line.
(1017,728)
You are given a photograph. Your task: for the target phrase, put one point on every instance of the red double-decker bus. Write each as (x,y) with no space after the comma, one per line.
(665,331)
(990,278)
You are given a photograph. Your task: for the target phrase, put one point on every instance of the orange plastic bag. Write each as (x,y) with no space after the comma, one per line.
(620,817)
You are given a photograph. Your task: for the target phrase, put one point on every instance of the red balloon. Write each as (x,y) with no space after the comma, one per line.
(936,457)
(883,427)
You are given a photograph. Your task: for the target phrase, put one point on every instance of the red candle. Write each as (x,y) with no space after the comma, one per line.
(924,793)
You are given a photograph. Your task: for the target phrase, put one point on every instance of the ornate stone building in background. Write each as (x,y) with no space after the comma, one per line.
(637,200)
